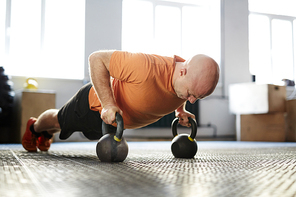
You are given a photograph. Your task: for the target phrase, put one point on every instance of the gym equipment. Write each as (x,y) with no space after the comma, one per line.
(31,84)
(112,147)
(184,145)
(6,107)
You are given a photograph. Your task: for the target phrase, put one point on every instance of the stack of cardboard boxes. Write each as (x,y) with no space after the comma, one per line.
(262,112)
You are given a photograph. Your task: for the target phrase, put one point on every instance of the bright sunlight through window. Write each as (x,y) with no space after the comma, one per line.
(45,38)
(183,28)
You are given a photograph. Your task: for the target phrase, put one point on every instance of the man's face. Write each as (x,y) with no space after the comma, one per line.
(189,91)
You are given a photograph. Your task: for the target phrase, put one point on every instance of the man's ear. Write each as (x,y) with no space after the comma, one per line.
(183,71)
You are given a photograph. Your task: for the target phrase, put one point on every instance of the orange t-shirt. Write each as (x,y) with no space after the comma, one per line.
(142,87)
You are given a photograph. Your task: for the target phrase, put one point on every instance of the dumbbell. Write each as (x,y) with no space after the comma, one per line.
(184,145)
(112,147)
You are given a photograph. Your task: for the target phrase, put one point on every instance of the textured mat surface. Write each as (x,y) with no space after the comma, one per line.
(218,169)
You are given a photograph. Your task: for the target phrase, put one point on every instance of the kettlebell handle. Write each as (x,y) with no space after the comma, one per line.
(119,130)
(193,127)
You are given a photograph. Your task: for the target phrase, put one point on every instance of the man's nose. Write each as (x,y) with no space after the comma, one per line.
(192,99)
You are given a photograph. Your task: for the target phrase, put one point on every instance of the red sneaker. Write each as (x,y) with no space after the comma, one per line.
(44,141)
(29,140)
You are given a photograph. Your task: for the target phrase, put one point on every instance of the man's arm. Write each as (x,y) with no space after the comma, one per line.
(100,77)
(183,115)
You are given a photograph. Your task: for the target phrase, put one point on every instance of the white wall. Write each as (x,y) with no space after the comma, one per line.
(102,26)
(236,48)
(64,88)
(103,31)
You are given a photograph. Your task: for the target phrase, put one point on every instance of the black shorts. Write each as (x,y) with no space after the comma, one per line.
(76,115)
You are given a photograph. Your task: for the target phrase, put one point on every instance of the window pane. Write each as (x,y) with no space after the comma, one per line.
(2,32)
(282,51)
(25,31)
(137,26)
(279,7)
(63,48)
(167,30)
(200,32)
(259,47)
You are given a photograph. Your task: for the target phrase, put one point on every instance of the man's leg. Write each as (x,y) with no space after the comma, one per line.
(75,115)
(48,121)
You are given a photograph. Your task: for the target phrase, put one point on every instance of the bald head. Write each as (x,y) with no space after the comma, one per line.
(196,78)
(203,71)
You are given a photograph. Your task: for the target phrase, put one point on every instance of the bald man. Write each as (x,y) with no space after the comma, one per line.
(141,87)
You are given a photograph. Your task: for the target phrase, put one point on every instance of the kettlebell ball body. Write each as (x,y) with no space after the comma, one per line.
(183,147)
(110,150)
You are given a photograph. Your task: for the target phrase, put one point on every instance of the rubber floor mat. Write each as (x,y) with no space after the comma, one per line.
(150,169)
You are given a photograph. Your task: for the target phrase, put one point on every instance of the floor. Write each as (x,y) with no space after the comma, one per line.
(218,169)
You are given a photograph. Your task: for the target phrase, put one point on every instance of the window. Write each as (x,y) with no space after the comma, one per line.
(172,27)
(45,38)
(271,37)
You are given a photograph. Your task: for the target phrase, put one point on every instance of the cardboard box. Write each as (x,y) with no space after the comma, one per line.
(252,98)
(291,121)
(263,127)
(30,104)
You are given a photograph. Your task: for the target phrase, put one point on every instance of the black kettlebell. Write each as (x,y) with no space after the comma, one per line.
(184,145)
(112,147)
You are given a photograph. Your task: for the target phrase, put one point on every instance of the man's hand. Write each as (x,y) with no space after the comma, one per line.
(183,116)
(108,113)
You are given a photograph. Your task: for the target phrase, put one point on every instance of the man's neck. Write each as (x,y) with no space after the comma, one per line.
(178,66)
